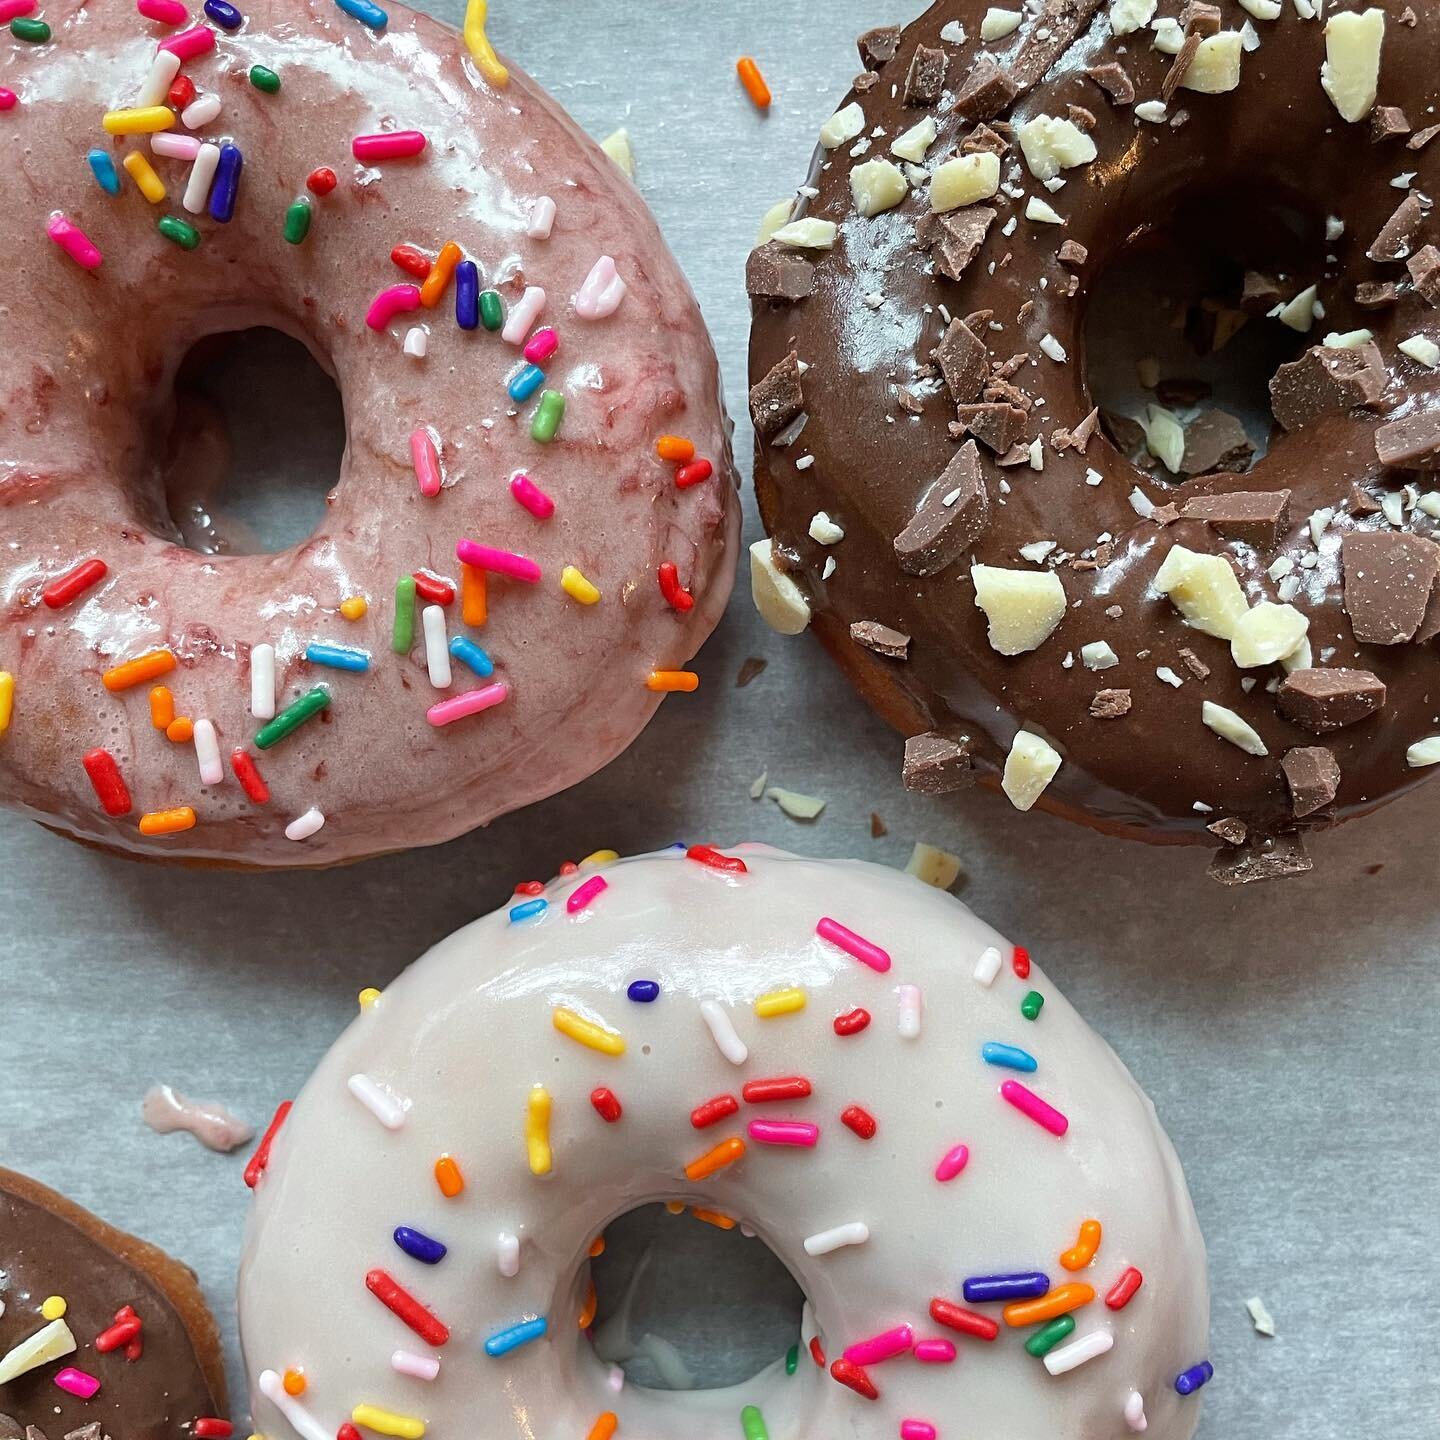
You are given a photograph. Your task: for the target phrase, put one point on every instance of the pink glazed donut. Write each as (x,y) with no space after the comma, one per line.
(535,522)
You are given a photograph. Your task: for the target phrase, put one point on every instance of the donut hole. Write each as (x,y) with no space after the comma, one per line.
(1165,324)
(255,443)
(685,1305)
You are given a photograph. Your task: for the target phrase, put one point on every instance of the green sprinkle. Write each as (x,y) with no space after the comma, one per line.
(792,1359)
(297,221)
(182,232)
(1047,1337)
(402,636)
(548,415)
(263,79)
(37,32)
(1032,1004)
(752,1422)
(292,717)
(492,309)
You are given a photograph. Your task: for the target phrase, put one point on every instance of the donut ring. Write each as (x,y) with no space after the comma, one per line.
(608,564)
(1178,723)
(678,1028)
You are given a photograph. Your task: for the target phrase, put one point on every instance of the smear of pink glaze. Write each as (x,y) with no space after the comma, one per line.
(165,1110)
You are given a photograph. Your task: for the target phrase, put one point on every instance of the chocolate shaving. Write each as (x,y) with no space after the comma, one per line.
(1398,234)
(1184,58)
(777,399)
(878,827)
(894,644)
(1321,700)
(1410,444)
(1256,517)
(1424,268)
(1114,80)
(1193,663)
(1376,294)
(1072,253)
(750,668)
(776,273)
(909,401)
(1110,704)
(995,424)
(1421,138)
(1386,122)
(1268,857)
(959,237)
(1199,18)
(925,80)
(1059,26)
(1313,775)
(1078,115)
(878,46)
(939,533)
(964,361)
(987,92)
(1327,378)
(1388,579)
(1232,830)
(1215,440)
(936,764)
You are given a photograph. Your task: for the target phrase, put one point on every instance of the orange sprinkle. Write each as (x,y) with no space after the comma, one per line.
(448,1177)
(294,1382)
(713,1217)
(168,822)
(727,1152)
(587,1313)
(675,1207)
(1085,1247)
(753,81)
(162,707)
(675,447)
(604,1427)
(473,604)
(150,666)
(1060,1301)
(181,730)
(433,289)
(669,680)
(597,1247)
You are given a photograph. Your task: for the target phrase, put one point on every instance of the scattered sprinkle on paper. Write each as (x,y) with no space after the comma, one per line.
(164,1109)
(932,865)
(1264,1320)
(794,804)
(757,785)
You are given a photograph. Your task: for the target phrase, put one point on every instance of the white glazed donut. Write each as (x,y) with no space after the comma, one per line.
(465,1052)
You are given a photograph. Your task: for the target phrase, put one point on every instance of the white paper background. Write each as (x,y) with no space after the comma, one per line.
(1287,1033)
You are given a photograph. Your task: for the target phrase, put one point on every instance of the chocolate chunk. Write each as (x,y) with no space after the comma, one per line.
(1361,501)
(1017,454)
(893,644)
(1199,18)
(1215,440)
(964,361)
(997,389)
(940,533)
(776,400)
(776,273)
(1073,253)
(995,424)
(878,828)
(34,1432)
(92,1431)
(1410,444)
(1320,700)
(958,238)
(1110,704)
(909,401)
(1078,438)
(1080,116)
(987,92)
(1327,378)
(1424,268)
(1388,579)
(1387,121)
(984,139)
(1256,517)
(925,80)
(865,80)
(1193,663)
(936,765)
(1313,775)
(1184,58)
(1126,434)
(1398,234)
(878,46)
(750,668)
(1375,294)
(1232,830)
(1259,292)
(1059,26)
(1269,857)
(1163,515)
(1114,80)
(11,1428)
(1421,138)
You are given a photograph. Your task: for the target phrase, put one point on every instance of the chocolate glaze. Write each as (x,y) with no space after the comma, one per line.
(1267,163)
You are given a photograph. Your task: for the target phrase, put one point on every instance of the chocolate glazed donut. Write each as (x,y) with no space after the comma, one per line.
(1244,654)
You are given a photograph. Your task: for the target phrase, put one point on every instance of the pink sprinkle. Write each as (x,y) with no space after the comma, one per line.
(426,461)
(917,1430)
(541,346)
(77,1382)
(14,9)
(389,303)
(167,12)
(785,1132)
(531,496)
(418,1367)
(190,44)
(863,950)
(602,291)
(583,894)
(953,1163)
(1027,1102)
(502,562)
(935,1352)
(899,1341)
(472,702)
(8,99)
(74,242)
(175,147)
(388,145)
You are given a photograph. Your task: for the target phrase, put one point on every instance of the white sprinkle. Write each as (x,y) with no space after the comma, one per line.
(804,462)
(507,1254)
(829,568)
(200,111)
(1288,588)
(384,1106)
(417,342)
(1135,1412)
(301,1420)
(1053,348)
(163,70)
(1319,519)
(1037,454)
(1201,808)
(207,753)
(302,827)
(1429,502)
(996,23)
(542,218)
(202,172)
(437,657)
(1260,1314)
(523,314)
(1067,1357)
(418,1367)
(855,1233)
(910,1001)
(615,1379)
(1249,38)
(987,967)
(722,1031)
(262,682)
(1334,228)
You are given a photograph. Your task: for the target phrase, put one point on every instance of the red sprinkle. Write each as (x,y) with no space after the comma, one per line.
(695,473)
(122,1332)
(860,1120)
(713,1111)
(530,887)
(261,1158)
(109,783)
(677,597)
(817,1351)
(321,181)
(207,1427)
(708,855)
(347,1432)
(848,1373)
(65,588)
(182,92)
(568,867)
(967,1322)
(395,1298)
(781,1087)
(1020,959)
(852,1023)
(607,1107)
(1123,1290)
(251,781)
(134,1348)
(432,588)
(412,260)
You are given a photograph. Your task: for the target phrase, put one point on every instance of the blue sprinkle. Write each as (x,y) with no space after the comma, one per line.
(337,657)
(467,651)
(467,295)
(1187,1382)
(525,382)
(227,181)
(104,170)
(1029,1286)
(644,991)
(528,909)
(419,1246)
(365,12)
(225,15)
(502,1342)
(1010,1057)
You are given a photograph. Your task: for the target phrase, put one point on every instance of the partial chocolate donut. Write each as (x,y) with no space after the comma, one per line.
(133,1320)
(1186,651)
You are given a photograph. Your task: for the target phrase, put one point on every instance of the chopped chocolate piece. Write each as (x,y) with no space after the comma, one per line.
(997,389)
(1126,434)
(1114,80)
(1184,57)
(1199,18)
(1326,378)
(959,237)
(1388,579)
(92,1431)
(1259,292)
(1007,369)
(909,401)
(1073,253)
(1313,775)
(787,435)
(936,765)
(776,273)
(893,644)
(1410,444)
(1429,626)
(1017,454)
(34,1432)
(1409,17)
(1424,268)
(1193,663)
(1066,288)
(865,80)
(925,80)
(940,533)
(750,667)
(1080,116)
(987,92)
(1215,440)
(1060,24)
(1321,700)
(978,320)
(1421,138)
(1362,502)
(1163,515)
(777,399)
(878,46)
(963,360)
(994,423)
(10,1428)
(878,828)
(984,138)
(1387,121)
(1176,392)
(1375,294)
(1232,830)
(1110,704)
(1078,438)
(1398,234)
(1256,517)
(1268,857)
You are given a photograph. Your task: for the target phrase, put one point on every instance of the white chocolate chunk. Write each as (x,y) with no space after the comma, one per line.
(1098,655)
(617,146)
(1299,313)
(806,234)
(1350,72)
(1347,339)
(934,866)
(1266,633)
(1022,606)
(824,531)
(1042,212)
(1164,437)
(48,1343)
(1051,145)
(1203,588)
(913,144)
(1262,9)
(1151,111)
(1229,726)
(843,125)
(997,23)
(1421,348)
(1216,66)
(1169,37)
(777,215)
(1128,16)
(877,185)
(1300,658)
(1260,1316)
(964,180)
(1424,752)
(1029,768)
(794,804)
(780,601)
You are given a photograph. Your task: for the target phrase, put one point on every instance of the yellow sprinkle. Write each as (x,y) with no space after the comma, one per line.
(354,607)
(686,680)
(7,699)
(482,52)
(368,996)
(387,1422)
(142,172)
(587,1032)
(780,1002)
(144,121)
(537,1130)
(54,1307)
(600,857)
(577,587)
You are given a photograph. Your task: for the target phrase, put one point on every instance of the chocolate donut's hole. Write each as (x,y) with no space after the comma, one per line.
(684,1305)
(1177,326)
(255,445)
